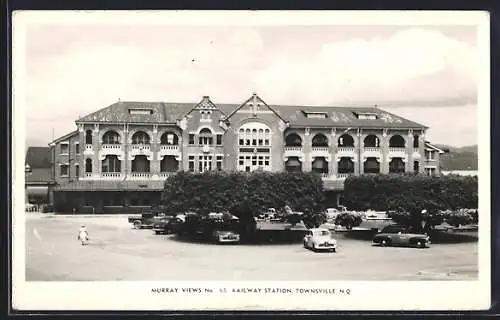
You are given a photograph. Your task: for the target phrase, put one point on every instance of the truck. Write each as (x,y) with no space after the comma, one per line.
(145,220)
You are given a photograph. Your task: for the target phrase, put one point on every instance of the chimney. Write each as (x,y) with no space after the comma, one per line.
(206,97)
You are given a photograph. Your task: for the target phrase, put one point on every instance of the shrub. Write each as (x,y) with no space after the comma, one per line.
(348,220)
(244,194)
(410,193)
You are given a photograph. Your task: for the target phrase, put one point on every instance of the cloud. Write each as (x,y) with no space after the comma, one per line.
(413,64)
(84,69)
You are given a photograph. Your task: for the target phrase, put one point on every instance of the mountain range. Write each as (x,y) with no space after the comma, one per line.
(459,158)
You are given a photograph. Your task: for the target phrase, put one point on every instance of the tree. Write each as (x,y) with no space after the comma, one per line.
(348,220)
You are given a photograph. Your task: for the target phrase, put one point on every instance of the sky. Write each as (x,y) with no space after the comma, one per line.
(427,74)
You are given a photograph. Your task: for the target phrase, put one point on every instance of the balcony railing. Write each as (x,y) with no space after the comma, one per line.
(140,175)
(169,147)
(320,149)
(88,174)
(111,175)
(140,147)
(346,149)
(372,149)
(289,148)
(431,163)
(88,147)
(325,175)
(111,146)
(397,149)
(165,175)
(344,175)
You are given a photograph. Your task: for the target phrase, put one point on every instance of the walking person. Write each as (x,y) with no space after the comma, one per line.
(83,235)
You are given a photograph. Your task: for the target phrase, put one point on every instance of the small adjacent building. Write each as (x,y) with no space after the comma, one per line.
(38,175)
(119,157)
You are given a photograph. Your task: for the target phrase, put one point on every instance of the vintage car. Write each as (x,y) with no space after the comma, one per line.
(167,225)
(397,235)
(145,220)
(318,239)
(226,236)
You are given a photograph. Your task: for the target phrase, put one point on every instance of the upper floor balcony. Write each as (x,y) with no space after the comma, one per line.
(140,149)
(89,149)
(431,163)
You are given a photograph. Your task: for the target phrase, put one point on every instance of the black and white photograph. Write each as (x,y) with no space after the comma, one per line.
(251,160)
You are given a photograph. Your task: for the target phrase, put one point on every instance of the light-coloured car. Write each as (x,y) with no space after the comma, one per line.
(226,236)
(320,239)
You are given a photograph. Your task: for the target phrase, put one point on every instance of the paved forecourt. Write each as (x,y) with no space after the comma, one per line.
(118,252)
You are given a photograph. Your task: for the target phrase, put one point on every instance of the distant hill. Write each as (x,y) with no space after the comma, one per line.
(463,158)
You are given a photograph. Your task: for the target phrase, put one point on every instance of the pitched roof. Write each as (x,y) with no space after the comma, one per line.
(38,157)
(65,137)
(433,147)
(343,117)
(39,176)
(170,112)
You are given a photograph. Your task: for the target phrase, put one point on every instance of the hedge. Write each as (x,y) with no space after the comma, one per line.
(410,193)
(244,194)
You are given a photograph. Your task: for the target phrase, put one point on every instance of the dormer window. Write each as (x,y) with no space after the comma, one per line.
(366,116)
(142,111)
(315,115)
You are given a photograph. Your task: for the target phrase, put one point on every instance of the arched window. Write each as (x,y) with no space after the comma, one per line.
(88,165)
(254,136)
(371,141)
(320,140)
(140,137)
(396,165)
(169,164)
(140,164)
(293,140)
(345,165)
(346,140)
(415,141)
(320,165)
(111,164)
(293,164)
(205,137)
(169,138)
(88,137)
(371,165)
(111,137)
(397,141)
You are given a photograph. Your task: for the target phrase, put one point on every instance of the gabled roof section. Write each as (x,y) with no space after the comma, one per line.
(207,104)
(254,101)
(138,112)
(65,137)
(38,157)
(433,147)
(344,117)
(39,176)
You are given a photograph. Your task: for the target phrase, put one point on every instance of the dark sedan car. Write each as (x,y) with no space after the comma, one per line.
(396,235)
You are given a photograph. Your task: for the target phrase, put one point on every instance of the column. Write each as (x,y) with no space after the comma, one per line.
(96,145)
(307,151)
(409,151)
(332,164)
(155,160)
(126,162)
(384,147)
(358,150)
(81,130)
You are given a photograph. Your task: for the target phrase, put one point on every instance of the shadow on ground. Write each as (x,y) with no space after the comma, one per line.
(262,238)
(437,237)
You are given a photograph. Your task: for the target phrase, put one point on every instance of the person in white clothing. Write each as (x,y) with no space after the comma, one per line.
(83,235)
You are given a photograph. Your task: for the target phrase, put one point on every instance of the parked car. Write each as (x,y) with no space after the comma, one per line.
(397,235)
(226,236)
(318,239)
(145,220)
(166,224)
